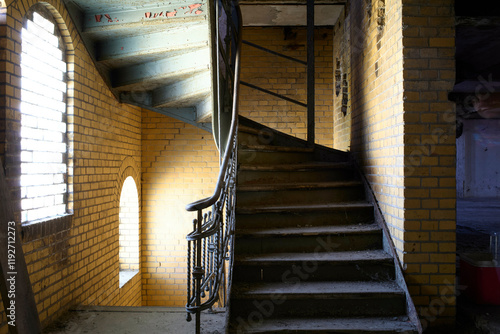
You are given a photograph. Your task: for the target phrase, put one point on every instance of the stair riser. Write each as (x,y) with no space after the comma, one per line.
(314,218)
(277,305)
(325,331)
(300,196)
(308,243)
(263,138)
(327,175)
(260,157)
(314,271)
(322,331)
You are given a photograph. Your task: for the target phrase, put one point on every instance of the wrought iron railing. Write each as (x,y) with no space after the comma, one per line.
(210,245)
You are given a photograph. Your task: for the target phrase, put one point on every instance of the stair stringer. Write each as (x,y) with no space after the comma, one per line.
(389,247)
(321,153)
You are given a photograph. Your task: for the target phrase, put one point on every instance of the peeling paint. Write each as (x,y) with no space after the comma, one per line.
(98,18)
(193,7)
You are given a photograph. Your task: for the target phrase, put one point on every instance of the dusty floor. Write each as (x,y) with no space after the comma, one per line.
(472,319)
(134,320)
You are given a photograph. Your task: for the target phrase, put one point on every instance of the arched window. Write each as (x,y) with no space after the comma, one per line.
(129,230)
(44,142)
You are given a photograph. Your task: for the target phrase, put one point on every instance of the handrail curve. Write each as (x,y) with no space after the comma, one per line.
(207,202)
(210,244)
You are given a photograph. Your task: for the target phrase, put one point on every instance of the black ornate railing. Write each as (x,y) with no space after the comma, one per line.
(210,244)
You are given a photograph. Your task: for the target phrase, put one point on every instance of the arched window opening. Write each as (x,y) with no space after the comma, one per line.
(129,231)
(44,142)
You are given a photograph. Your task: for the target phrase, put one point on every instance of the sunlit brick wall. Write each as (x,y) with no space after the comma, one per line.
(180,164)
(287,78)
(74,260)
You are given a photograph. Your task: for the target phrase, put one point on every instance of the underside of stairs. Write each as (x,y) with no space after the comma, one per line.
(152,54)
(309,257)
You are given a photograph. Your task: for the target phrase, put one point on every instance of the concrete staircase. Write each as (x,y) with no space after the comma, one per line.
(308,256)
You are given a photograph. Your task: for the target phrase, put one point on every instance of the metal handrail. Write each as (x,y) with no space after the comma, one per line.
(207,202)
(210,245)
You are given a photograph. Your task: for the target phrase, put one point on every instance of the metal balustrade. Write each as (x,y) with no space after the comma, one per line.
(209,257)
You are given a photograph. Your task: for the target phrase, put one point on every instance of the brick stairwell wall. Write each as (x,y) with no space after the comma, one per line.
(288,78)
(396,119)
(180,164)
(73,261)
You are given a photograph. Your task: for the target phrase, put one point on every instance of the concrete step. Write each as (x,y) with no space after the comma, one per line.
(268,154)
(363,265)
(353,325)
(308,239)
(314,171)
(345,213)
(318,299)
(300,193)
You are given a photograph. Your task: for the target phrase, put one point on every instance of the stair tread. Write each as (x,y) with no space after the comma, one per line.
(309,230)
(304,207)
(330,257)
(304,166)
(297,185)
(346,325)
(305,289)
(272,148)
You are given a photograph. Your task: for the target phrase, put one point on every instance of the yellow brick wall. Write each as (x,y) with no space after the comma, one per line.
(342,79)
(74,261)
(179,165)
(430,154)
(287,78)
(398,57)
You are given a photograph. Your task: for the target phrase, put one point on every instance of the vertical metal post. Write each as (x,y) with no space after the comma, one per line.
(216,69)
(198,273)
(310,73)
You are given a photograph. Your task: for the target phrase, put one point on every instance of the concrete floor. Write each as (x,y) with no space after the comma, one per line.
(134,320)
(472,319)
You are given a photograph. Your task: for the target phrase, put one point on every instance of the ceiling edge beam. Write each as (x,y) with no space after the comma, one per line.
(104,18)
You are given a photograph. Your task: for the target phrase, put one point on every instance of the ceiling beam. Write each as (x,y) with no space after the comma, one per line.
(192,89)
(161,70)
(288,14)
(154,43)
(291,2)
(150,14)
